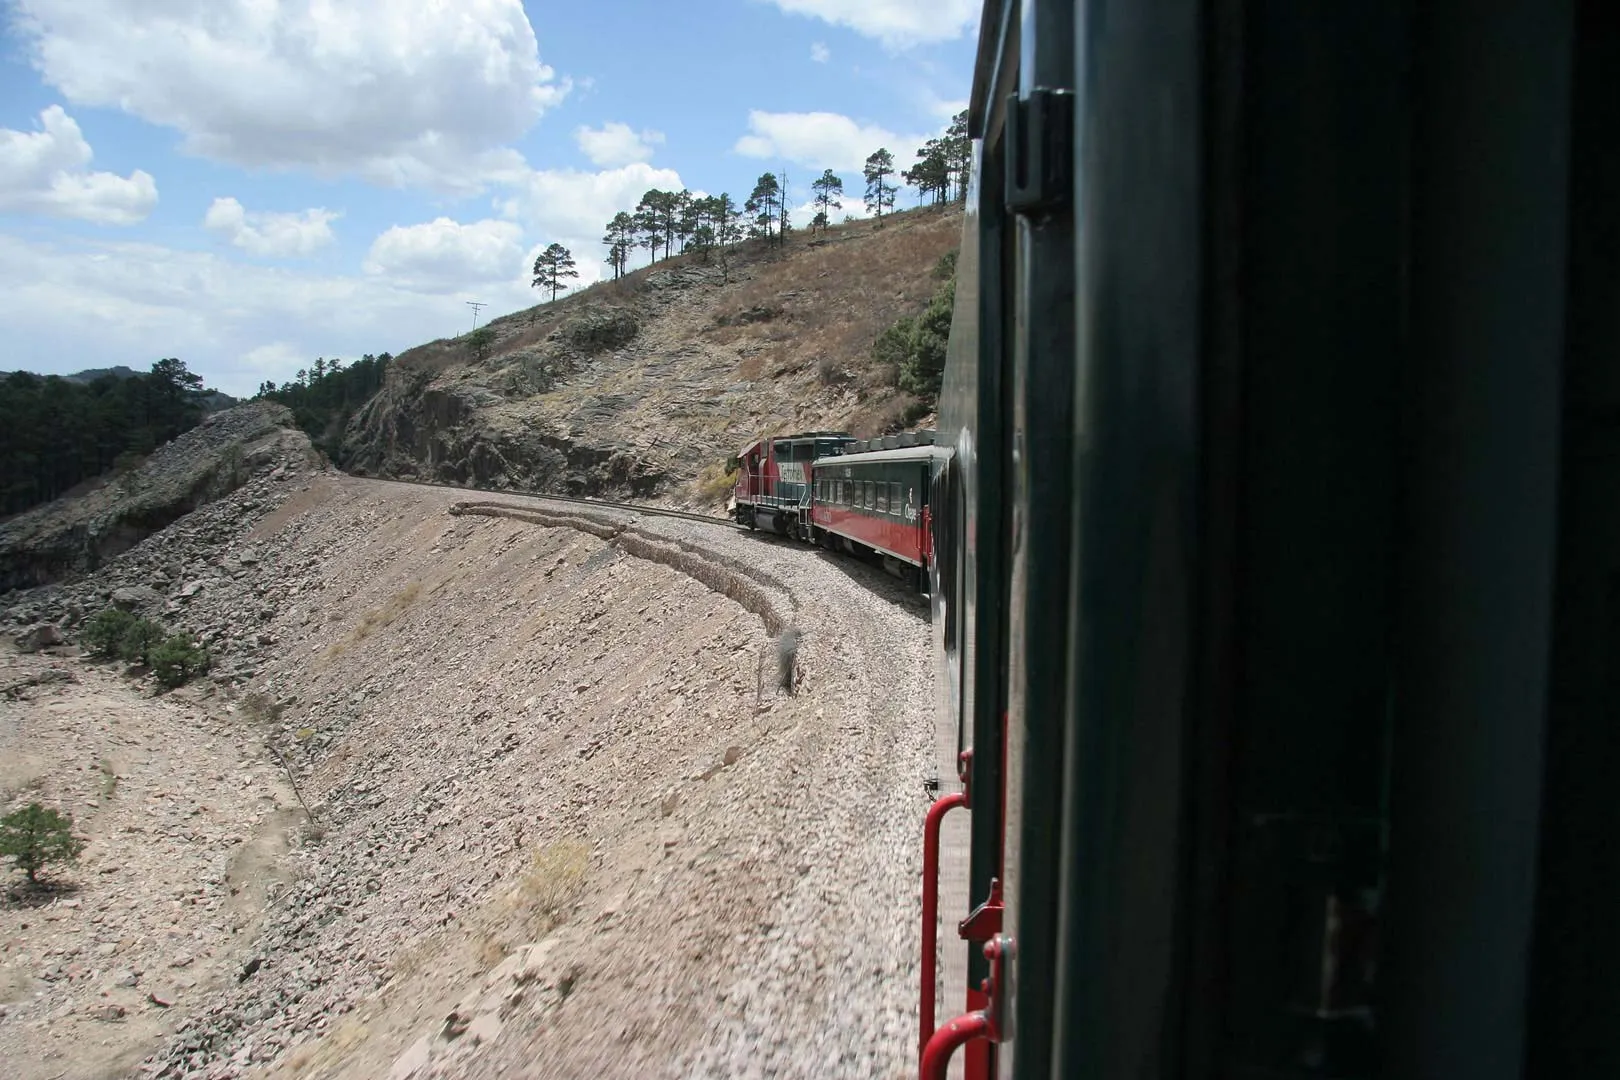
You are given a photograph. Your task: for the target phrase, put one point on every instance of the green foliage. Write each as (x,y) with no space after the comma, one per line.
(322,401)
(828,190)
(56,433)
(114,633)
(552,269)
(177,660)
(480,340)
(34,837)
(140,638)
(932,173)
(620,239)
(958,150)
(764,208)
(879,192)
(103,634)
(916,345)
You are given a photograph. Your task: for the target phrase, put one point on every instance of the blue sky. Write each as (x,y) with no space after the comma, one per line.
(249,184)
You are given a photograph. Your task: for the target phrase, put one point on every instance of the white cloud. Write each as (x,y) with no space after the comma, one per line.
(401,92)
(272,234)
(275,359)
(899,24)
(43,172)
(822,140)
(819,52)
(69,303)
(444,255)
(616,144)
(573,207)
(854,209)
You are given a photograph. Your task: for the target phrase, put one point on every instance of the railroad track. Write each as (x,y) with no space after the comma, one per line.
(601,504)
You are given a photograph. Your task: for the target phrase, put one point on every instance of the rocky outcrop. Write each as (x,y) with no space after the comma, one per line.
(417,430)
(633,388)
(74,535)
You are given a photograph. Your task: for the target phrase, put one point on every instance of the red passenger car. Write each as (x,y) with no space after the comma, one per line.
(876,501)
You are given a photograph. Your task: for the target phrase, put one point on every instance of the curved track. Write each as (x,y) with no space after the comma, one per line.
(637,508)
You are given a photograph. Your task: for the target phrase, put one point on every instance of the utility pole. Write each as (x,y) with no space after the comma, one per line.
(477,306)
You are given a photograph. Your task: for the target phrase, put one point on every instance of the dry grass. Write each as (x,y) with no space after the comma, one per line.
(533,333)
(714,483)
(539,901)
(435,356)
(885,415)
(832,305)
(378,618)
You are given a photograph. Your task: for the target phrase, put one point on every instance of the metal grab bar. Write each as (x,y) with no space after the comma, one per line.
(930,910)
(936,1055)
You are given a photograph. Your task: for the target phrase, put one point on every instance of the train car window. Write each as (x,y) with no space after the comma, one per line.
(870,498)
(883,498)
(896,499)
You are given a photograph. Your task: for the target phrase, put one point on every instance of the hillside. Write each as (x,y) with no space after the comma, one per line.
(643,386)
(71,535)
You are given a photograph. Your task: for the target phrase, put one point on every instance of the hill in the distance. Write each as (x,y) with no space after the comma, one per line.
(212,402)
(643,386)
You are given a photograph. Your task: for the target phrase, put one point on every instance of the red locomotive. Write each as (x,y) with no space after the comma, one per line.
(866,497)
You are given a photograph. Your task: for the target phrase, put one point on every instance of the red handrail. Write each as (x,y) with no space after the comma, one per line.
(930,910)
(936,1055)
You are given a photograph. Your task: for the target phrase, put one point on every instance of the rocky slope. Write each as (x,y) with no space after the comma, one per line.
(636,386)
(560,830)
(73,535)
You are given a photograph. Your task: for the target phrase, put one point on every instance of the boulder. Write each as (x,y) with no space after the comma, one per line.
(37,637)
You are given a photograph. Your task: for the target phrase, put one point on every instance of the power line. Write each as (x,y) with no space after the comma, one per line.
(477,306)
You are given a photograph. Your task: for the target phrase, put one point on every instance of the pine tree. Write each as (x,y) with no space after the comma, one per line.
(931,176)
(762,207)
(879,193)
(828,190)
(649,220)
(958,154)
(35,836)
(783,225)
(553,267)
(620,239)
(687,217)
(727,224)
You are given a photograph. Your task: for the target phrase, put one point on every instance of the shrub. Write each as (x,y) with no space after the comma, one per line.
(915,347)
(104,633)
(479,342)
(177,660)
(140,639)
(715,482)
(35,836)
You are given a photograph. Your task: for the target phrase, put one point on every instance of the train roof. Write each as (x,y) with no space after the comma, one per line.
(804,436)
(877,457)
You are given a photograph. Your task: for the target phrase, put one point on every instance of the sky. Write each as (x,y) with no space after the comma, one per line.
(250,184)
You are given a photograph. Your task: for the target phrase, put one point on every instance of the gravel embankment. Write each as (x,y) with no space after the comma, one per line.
(563,833)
